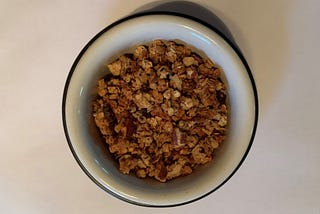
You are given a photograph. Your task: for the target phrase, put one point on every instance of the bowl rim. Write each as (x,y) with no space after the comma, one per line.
(150,13)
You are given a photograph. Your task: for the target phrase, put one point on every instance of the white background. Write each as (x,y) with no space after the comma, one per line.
(39,41)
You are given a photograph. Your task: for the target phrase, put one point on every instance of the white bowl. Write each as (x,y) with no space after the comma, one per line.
(91,153)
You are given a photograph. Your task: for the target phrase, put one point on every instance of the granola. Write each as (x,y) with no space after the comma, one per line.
(163,110)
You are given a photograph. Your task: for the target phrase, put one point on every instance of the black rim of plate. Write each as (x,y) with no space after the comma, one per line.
(254,89)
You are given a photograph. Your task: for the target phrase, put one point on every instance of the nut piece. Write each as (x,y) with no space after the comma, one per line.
(176,94)
(146,64)
(163,72)
(187,61)
(186,103)
(176,82)
(141,52)
(157,51)
(115,68)
(142,100)
(200,154)
(170,111)
(167,94)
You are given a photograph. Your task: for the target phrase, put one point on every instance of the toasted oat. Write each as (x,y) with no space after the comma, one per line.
(163,112)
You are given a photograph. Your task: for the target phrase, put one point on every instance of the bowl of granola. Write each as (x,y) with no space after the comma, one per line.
(159,109)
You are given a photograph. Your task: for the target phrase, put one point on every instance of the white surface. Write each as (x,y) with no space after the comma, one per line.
(39,40)
(88,71)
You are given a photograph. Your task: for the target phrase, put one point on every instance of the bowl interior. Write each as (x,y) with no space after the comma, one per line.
(88,147)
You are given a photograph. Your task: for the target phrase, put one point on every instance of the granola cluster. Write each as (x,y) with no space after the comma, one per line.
(162,110)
